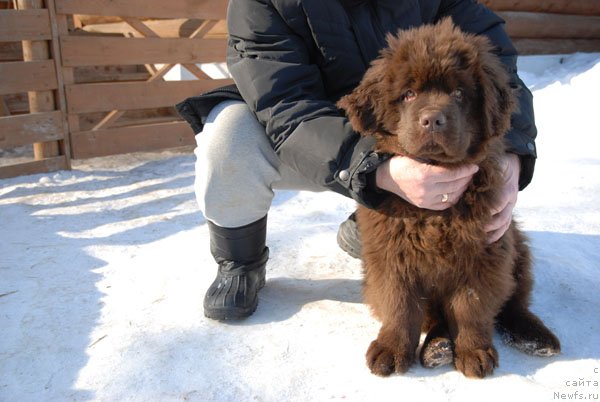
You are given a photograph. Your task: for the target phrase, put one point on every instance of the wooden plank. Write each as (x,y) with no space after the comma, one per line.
(556,46)
(11,51)
(175,28)
(64,145)
(202,9)
(99,97)
(544,25)
(140,27)
(27,129)
(87,51)
(27,76)
(41,166)
(580,7)
(17,103)
(89,144)
(4,110)
(110,73)
(60,27)
(17,25)
(89,121)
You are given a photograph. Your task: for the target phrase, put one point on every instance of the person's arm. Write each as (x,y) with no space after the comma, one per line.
(273,71)
(478,19)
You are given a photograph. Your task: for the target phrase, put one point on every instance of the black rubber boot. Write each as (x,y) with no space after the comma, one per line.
(348,237)
(242,256)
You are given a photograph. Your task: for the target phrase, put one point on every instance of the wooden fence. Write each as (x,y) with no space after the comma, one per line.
(29,72)
(138,44)
(551,26)
(100,90)
(86,78)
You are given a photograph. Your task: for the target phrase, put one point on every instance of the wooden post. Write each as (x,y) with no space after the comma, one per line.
(39,101)
(67,76)
(65,144)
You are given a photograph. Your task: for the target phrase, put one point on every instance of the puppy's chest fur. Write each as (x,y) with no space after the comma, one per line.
(424,246)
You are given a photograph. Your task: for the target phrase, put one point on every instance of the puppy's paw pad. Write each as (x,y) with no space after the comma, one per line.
(541,343)
(437,352)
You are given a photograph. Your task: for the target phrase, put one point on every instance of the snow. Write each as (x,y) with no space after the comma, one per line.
(103,270)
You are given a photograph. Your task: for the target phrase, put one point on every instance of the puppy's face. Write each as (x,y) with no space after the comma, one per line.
(431,119)
(435,94)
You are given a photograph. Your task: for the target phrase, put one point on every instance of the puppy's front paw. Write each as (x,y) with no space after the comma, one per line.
(383,360)
(476,363)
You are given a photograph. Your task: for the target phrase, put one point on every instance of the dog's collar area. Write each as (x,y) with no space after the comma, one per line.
(385,132)
(425,160)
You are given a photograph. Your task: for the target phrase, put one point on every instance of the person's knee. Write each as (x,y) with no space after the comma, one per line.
(232,137)
(235,166)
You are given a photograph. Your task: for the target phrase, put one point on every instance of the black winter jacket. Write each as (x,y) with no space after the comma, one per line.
(293,59)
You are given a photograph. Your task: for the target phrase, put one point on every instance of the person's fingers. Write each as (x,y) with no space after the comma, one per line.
(499,223)
(446,175)
(424,185)
(500,206)
(444,201)
(498,233)
(496,229)
(456,187)
(494,236)
(507,197)
(445,193)
(443,196)
(440,206)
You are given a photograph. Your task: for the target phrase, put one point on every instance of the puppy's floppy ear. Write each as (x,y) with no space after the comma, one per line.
(499,98)
(361,104)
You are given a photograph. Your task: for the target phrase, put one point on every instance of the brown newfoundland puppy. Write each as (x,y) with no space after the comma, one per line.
(439,95)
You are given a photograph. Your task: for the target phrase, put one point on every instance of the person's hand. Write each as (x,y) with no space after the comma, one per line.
(424,185)
(502,213)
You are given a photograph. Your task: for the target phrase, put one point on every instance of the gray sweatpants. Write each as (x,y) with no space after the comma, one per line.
(237,169)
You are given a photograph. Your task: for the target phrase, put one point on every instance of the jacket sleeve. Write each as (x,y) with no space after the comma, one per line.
(272,68)
(476,18)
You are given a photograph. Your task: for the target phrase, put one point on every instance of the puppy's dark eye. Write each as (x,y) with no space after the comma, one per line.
(457,94)
(409,96)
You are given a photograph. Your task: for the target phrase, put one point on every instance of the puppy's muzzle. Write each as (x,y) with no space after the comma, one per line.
(432,120)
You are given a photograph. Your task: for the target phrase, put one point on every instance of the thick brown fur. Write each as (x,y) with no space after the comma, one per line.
(434,270)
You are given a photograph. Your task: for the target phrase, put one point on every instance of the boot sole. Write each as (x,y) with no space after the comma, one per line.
(233,313)
(228,314)
(347,245)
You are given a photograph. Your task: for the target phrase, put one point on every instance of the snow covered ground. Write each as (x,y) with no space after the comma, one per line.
(103,270)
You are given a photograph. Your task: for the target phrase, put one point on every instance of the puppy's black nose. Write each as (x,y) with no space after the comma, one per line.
(432,120)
